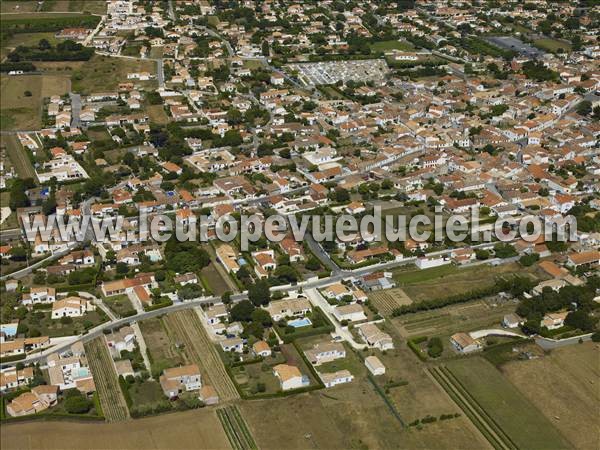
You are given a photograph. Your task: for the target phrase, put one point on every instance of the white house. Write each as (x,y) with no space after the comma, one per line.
(374,365)
(335,378)
(349,313)
(71,307)
(464,343)
(324,352)
(290,377)
(179,379)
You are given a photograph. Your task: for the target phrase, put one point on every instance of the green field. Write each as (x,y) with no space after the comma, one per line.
(506,407)
(120,304)
(552,45)
(384,46)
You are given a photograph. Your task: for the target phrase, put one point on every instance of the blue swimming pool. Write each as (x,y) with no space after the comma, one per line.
(298,323)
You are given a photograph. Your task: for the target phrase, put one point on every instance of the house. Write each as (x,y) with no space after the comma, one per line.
(186,278)
(12,378)
(39,295)
(337,291)
(290,377)
(374,337)
(553,321)
(117,287)
(40,398)
(374,365)
(208,395)
(265,262)
(227,257)
(71,307)
(591,258)
(349,313)
(280,309)
(180,379)
(464,343)
(124,368)
(377,281)
(215,313)
(232,345)
(69,372)
(123,339)
(335,378)
(512,321)
(324,352)
(261,348)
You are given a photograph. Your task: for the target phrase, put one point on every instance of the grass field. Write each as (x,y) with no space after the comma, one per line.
(19,111)
(448,280)
(91,6)
(103,73)
(384,46)
(18,6)
(552,45)
(18,157)
(157,114)
(564,387)
(188,330)
(190,429)
(508,410)
(161,350)
(106,381)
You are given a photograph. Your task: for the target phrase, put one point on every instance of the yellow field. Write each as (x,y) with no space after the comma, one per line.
(564,387)
(190,429)
(103,73)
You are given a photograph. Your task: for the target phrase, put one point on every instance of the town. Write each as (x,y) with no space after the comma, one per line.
(125,111)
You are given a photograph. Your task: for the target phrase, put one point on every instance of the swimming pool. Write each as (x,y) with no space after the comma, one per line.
(298,323)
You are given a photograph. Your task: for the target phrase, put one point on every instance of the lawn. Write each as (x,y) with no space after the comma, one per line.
(103,73)
(571,403)
(119,304)
(516,416)
(29,39)
(21,99)
(250,377)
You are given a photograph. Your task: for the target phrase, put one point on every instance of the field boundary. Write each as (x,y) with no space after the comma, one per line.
(236,429)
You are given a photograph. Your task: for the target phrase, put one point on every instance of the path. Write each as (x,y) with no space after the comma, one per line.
(98,302)
(143,348)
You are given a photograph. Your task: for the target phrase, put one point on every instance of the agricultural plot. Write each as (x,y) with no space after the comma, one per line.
(563,386)
(388,300)
(105,377)
(18,157)
(496,407)
(236,429)
(188,330)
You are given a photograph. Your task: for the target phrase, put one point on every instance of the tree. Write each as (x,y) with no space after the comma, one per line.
(582,320)
(584,108)
(261,316)
(77,404)
(341,195)
(313,263)
(482,254)
(259,293)
(226,298)
(122,268)
(242,311)
(435,347)
(265,49)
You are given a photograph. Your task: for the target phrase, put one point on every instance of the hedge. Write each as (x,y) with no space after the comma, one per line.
(413,345)
(7,359)
(158,306)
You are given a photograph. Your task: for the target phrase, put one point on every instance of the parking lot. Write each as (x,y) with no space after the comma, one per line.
(330,72)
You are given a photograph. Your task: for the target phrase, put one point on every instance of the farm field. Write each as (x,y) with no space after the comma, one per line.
(389,299)
(106,381)
(512,415)
(91,6)
(552,45)
(103,73)
(186,429)
(29,39)
(161,350)
(18,156)
(18,7)
(188,330)
(563,386)
(236,428)
(215,281)
(25,111)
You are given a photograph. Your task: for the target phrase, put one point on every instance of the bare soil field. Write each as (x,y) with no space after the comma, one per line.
(189,429)
(161,349)
(564,387)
